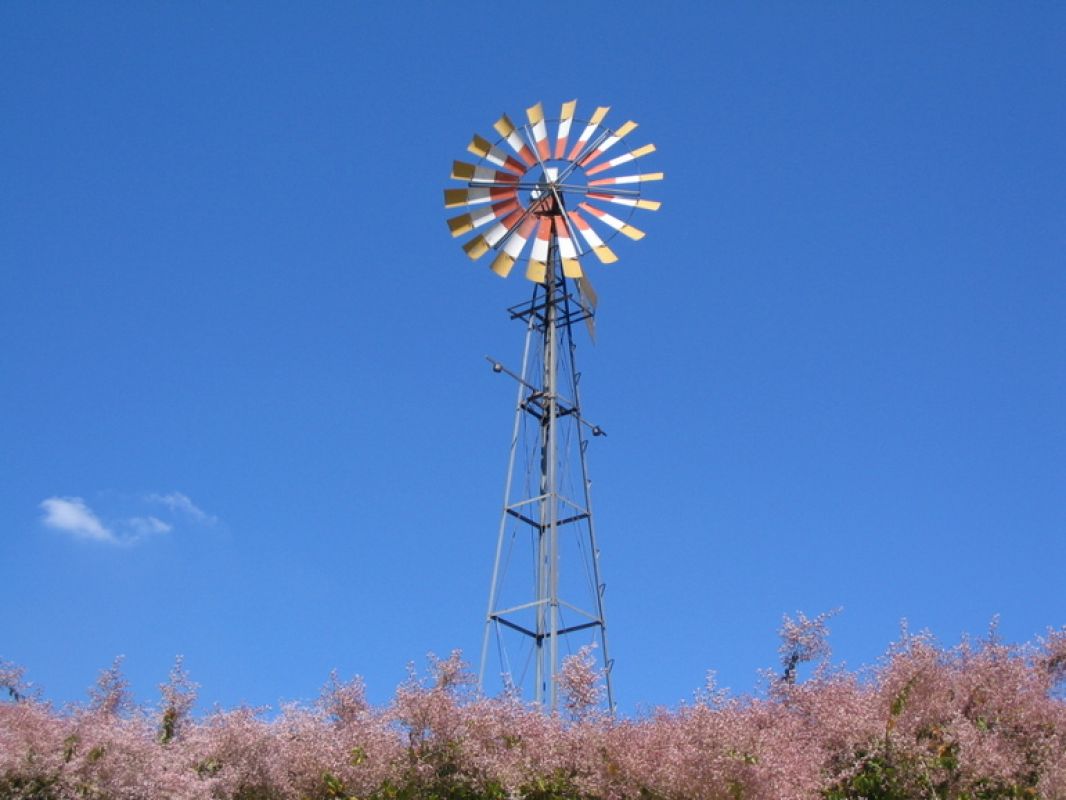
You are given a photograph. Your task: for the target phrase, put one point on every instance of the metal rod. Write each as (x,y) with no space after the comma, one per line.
(586,485)
(569,187)
(494,586)
(552,477)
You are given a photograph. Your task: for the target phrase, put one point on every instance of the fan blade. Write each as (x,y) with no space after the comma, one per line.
(609,142)
(632,202)
(613,222)
(538,256)
(536,271)
(495,234)
(602,251)
(476,247)
(507,130)
(481,244)
(494,155)
(565,120)
(453,198)
(512,248)
(462,171)
(480,216)
(535,115)
(586,134)
(567,250)
(648,176)
(614,162)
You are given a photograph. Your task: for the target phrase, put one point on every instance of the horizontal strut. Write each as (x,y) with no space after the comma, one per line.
(542,636)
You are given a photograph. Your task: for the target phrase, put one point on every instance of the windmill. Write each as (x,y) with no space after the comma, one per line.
(540,202)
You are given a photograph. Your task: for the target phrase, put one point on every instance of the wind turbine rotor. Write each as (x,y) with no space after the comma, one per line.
(530,192)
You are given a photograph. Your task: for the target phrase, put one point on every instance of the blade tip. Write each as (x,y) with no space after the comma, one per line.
(537,271)
(476,247)
(460,225)
(461,171)
(454,198)
(502,265)
(504,126)
(606,254)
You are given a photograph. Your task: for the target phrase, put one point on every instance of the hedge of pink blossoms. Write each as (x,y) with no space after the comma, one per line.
(978,721)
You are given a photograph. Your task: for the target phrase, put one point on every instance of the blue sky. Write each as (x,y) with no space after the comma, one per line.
(245,415)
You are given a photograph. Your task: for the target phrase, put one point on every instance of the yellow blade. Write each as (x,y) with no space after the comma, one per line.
(453,198)
(476,247)
(603,253)
(624,179)
(562,133)
(504,126)
(461,224)
(572,268)
(586,134)
(480,195)
(608,196)
(628,128)
(636,234)
(502,264)
(535,114)
(625,158)
(479,147)
(462,171)
(537,271)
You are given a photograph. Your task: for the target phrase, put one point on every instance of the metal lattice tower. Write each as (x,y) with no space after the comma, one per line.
(546,594)
(546,526)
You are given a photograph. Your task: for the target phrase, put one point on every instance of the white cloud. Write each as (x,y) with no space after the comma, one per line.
(146,526)
(180,503)
(71,515)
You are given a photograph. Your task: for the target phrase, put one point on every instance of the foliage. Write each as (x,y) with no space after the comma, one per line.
(581,683)
(979,721)
(178,696)
(803,640)
(13,681)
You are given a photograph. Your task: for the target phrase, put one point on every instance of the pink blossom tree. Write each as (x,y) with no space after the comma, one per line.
(979,721)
